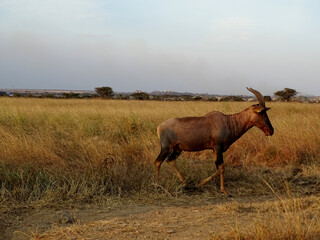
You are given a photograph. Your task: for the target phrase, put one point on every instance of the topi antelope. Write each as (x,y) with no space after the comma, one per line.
(214,131)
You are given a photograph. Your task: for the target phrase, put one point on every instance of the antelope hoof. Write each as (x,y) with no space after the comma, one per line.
(226,195)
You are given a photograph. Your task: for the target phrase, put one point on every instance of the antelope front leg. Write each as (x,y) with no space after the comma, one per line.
(220,167)
(221,171)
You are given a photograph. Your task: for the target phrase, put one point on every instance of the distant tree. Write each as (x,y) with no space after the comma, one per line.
(267,98)
(123,97)
(140,95)
(47,95)
(157,97)
(186,97)
(71,95)
(197,98)
(88,96)
(3,94)
(15,94)
(212,99)
(105,92)
(286,94)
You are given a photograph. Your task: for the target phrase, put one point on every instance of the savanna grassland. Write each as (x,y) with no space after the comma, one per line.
(94,159)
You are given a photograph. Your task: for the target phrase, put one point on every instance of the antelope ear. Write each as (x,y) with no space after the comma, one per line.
(259,109)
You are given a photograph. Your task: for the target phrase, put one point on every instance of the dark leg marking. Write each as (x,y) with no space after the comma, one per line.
(157,163)
(174,154)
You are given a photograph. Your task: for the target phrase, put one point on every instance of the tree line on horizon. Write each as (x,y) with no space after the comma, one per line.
(106,92)
(286,95)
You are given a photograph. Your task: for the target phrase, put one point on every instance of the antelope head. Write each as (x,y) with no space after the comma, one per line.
(259,117)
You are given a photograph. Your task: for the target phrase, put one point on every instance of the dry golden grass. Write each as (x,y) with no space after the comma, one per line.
(54,150)
(59,153)
(281,219)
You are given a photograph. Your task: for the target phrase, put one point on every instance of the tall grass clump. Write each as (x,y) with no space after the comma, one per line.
(285,218)
(84,150)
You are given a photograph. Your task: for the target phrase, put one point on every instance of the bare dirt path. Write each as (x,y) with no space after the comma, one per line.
(189,220)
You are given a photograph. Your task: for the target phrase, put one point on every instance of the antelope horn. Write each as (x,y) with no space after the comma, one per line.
(259,97)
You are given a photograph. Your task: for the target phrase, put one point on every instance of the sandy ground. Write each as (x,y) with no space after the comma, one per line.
(189,220)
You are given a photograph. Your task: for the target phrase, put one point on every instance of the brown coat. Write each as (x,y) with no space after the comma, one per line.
(213,129)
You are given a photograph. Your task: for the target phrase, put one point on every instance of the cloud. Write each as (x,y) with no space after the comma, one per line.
(59,8)
(236,23)
(235,28)
(49,17)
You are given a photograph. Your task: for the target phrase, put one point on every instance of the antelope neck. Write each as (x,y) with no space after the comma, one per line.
(240,123)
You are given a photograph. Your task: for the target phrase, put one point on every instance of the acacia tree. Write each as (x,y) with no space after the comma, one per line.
(286,94)
(105,92)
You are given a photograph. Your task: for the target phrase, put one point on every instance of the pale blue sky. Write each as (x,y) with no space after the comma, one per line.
(197,46)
